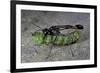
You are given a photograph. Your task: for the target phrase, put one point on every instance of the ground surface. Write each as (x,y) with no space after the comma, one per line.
(30,20)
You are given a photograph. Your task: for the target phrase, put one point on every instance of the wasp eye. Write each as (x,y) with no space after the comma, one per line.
(79,26)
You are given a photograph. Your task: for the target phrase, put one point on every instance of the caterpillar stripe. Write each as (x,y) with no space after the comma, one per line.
(39,38)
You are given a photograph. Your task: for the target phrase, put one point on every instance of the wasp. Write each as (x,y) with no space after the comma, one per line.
(53,35)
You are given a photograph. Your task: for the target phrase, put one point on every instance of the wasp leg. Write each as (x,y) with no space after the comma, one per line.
(49,54)
(35,51)
(72,52)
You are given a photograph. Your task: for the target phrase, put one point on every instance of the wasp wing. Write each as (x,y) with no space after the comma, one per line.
(62,27)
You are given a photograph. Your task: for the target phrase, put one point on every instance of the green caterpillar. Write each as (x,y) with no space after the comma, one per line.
(67,39)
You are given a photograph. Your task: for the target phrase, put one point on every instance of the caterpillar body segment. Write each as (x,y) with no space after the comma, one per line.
(67,39)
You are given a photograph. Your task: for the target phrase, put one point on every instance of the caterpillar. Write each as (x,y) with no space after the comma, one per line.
(67,39)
